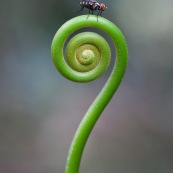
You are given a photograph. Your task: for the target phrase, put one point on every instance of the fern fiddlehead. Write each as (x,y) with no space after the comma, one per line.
(87,57)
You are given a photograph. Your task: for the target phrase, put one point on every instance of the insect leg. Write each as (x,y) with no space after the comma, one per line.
(88,14)
(98,13)
(80,9)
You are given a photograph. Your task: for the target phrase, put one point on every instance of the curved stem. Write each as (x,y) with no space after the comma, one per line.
(95,110)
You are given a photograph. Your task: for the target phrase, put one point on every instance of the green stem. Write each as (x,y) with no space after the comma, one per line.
(95,110)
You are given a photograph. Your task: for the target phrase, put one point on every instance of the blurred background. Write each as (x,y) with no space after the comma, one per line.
(40,110)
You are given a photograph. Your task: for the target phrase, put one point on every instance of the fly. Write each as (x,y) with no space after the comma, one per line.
(93,5)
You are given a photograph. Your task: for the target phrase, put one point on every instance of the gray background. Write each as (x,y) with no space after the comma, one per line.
(40,110)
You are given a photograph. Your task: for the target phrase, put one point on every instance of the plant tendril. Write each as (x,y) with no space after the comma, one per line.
(87,58)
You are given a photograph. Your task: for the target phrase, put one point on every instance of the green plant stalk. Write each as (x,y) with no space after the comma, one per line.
(97,107)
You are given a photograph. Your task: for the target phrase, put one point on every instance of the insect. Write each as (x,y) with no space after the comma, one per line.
(93,5)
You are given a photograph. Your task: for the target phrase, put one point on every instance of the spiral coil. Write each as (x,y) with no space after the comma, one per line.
(87,58)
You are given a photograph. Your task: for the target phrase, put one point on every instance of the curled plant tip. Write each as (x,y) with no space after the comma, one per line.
(87,58)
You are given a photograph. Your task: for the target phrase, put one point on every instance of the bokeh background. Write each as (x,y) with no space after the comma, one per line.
(40,110)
